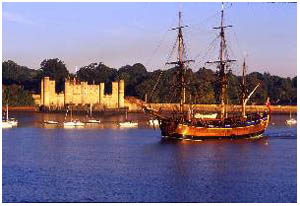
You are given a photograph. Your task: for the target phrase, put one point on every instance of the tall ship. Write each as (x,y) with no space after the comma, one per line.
(184,125)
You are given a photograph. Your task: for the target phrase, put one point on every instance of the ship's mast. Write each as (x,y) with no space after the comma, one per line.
(244,90)
(222,64)
(245,98)
(181,63)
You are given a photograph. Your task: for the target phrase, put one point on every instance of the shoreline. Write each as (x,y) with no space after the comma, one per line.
(276,109)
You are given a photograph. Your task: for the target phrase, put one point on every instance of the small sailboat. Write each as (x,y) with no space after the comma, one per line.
(128,123)
(9,121)
(6,124)
(291,121)
(73,123)
(154,122)
(92,120)
(50,122)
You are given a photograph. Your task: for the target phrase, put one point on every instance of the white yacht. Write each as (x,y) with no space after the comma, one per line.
(291,121)
(127,123)
(154,122)
(92,120)
(50,122)
(12,121)
(73,123)
(6,124)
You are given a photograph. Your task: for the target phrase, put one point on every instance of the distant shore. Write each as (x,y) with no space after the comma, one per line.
(276,109)
(21,108)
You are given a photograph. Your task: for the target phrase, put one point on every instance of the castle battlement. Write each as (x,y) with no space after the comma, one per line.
(80,93)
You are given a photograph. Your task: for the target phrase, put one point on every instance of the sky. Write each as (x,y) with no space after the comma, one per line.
(120,34)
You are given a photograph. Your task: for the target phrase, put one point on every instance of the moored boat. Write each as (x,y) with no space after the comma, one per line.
(154,122)
(9,121)
(75,123)
(291,121)
(72,123)
(13,122)
(6,124)
(93,121)
(128,124)
(50,122)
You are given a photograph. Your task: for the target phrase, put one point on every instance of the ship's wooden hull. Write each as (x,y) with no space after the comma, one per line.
(171,129)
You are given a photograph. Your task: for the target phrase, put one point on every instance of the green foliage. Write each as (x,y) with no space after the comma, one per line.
(56,70)
(16,96)
(12,73)
(132,76)
(95,73)
(159,85)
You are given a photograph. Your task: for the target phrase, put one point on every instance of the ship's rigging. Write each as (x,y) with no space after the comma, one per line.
(223,65)
(181,63)
(183,125)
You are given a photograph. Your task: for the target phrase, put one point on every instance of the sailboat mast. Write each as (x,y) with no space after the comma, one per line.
(6,111)
(244,90)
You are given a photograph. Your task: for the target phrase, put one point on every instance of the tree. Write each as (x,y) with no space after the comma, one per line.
(132,76)
(14,95)
(56,70)
(96,73)
(201,86)
(12,73)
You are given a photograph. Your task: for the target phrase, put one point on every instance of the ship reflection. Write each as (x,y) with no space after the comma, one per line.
(212,161)
(260,140)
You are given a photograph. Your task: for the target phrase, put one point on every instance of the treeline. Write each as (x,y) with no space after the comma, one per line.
(156,86)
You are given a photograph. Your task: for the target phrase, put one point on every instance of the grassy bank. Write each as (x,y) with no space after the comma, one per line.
(276,109)
(21,108)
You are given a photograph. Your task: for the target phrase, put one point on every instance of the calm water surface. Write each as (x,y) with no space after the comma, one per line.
(108,164)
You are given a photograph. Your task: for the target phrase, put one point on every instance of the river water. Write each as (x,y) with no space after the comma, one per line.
(108,164)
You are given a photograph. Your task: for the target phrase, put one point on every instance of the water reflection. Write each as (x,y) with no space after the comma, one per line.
(103,163)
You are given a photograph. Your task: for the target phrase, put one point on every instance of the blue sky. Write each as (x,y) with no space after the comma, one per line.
(126,33)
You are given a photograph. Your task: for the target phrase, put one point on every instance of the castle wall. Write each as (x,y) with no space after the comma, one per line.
(121,91)
(60,99)
(81,94)
(36,99)
(52,94)
(42,93)
(46,92)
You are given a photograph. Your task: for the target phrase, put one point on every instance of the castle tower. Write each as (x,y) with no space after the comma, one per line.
(46,91)
(84,93)
(115,94)
(101,93)
(68,92)
(42,93)
(121,94)
(52,93)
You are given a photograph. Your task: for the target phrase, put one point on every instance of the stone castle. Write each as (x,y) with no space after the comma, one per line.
(80,93)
